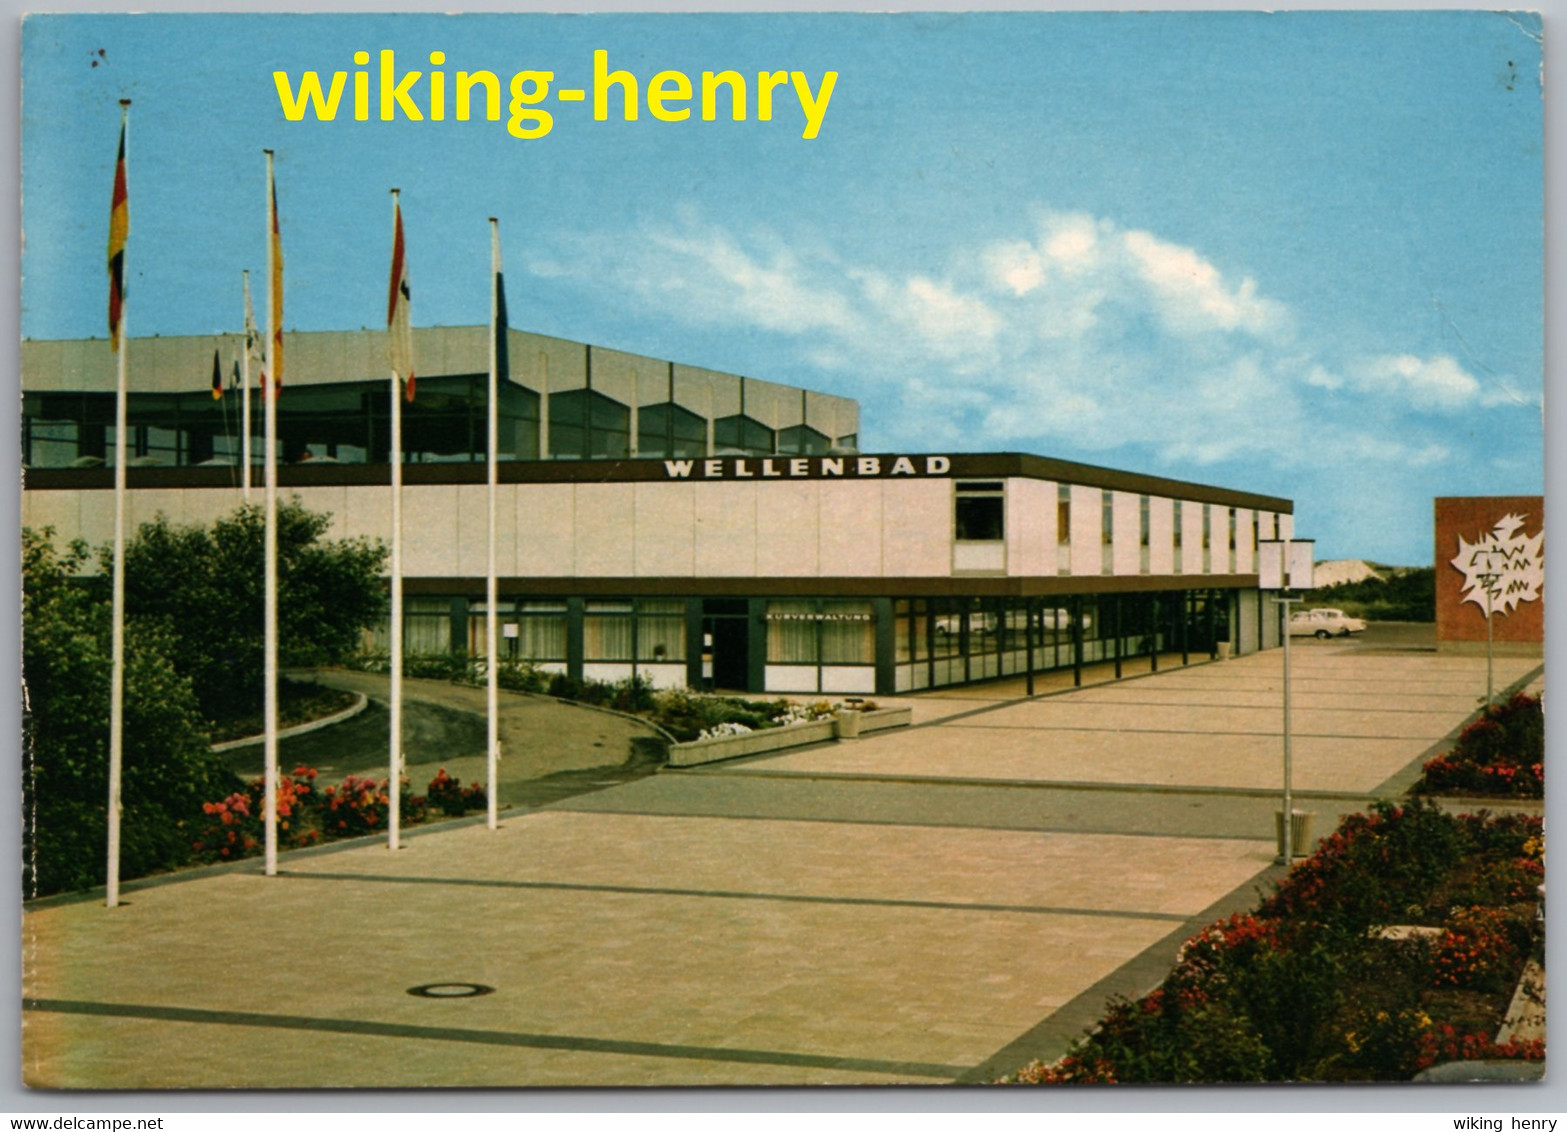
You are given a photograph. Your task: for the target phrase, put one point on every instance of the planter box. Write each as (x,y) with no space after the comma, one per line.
(780,738)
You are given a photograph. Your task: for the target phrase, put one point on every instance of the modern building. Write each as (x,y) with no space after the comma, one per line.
(688,526)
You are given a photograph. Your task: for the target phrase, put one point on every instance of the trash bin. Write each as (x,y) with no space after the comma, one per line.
(846,723)
(1300,831)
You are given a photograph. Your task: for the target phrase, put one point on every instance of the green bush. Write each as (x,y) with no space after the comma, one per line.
(1407,595)
(1501,753)
(1376,868)
(167,769)
(206,587)
(1309,988)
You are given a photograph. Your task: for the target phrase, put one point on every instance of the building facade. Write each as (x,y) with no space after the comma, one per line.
(699,529)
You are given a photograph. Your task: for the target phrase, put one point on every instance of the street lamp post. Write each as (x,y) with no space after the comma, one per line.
(1286,565)
(1488,580)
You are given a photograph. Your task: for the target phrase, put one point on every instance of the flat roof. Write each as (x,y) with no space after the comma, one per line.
(722,468)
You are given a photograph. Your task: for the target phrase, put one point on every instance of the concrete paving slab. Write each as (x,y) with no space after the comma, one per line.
(1140,694)
(839,862)
(1165,759)
(606,971)
(1076,737)
(1048,809)
(1064,714)
(754,923)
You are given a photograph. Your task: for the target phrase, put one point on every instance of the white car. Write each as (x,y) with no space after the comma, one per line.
(1324,623)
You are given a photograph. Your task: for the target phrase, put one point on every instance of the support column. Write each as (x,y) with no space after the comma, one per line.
(886,646)
(1030,620)
(1077,642)
(1120,630)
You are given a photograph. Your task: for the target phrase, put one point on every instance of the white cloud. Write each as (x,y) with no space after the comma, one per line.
(1323,378)
(1076,334)
(952,324)
(1192,294)
(1072,242)
(1018,266)
(1424,383)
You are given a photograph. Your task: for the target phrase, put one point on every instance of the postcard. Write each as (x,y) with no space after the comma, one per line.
(782,549)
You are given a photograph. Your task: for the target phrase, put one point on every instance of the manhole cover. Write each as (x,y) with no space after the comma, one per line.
(451,990)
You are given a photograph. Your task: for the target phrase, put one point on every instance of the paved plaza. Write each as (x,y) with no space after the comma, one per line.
(929,905)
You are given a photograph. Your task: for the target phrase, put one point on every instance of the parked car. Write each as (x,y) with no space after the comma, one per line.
(1324,623)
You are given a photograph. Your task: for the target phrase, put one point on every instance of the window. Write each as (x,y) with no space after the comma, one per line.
(852,442)
(606,630)
(478,641)
(1107,532)
(50,444)
(1063,529)
(661,631)
(1144,545)
(848,632)
(585,425)
(821,632)
(791,633)
(911,625)
(427,627)
(743,434)
(669,431)
(345,422)
(541,630)
(979,510)
(802,440)
(1230,512)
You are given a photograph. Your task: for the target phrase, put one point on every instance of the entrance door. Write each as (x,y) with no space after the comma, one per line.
(731,651)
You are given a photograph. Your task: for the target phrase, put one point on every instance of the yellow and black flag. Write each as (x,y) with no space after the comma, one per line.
(119,228)
(217,378)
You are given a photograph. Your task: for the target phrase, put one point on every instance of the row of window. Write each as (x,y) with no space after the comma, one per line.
(979,515)
(944,628)
(645,630)
(350,423)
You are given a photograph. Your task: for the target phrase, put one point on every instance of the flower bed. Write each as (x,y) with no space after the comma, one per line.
(307,816)
(1308,987)
(684,714)
(1502,753)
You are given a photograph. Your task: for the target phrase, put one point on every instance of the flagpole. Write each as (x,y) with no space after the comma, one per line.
(269,403)
(117,614)
(244,384)
(492,683)
(395,759)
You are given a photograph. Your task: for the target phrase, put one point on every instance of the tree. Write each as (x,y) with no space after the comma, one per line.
(193,654)
(168,768)
(206,588)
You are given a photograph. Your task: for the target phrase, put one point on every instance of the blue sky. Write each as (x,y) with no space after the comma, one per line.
(1298,253)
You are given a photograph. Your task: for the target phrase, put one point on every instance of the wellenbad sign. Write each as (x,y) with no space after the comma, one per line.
(806,467)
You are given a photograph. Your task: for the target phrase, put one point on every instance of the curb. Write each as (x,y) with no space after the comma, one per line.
(298,729)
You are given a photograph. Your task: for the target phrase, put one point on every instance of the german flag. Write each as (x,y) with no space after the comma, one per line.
(119,228)
(217,378)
